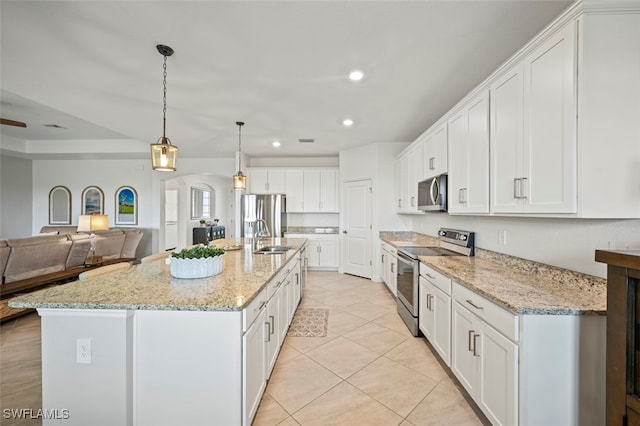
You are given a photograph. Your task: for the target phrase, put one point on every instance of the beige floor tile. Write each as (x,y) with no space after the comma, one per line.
(406,423)
(342,356)
(305,344)
(289,421)
(393,322)
(269,413)
(444,405)
(414,353)
(346,405)
(365,310)
(341,322)
(376,337)
(392,384)
(295,384)
(287,353)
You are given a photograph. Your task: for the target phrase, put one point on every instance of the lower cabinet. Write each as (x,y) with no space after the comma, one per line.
(435,318)
(322,250)
(269,315)
(254,368)
(484,360)
(388,266)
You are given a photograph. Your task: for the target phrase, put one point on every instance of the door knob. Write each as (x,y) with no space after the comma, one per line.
(344,232)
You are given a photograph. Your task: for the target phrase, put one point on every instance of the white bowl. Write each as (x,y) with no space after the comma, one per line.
(196,268)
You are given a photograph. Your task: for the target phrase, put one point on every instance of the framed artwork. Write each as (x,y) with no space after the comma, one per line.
(60,206)
(92,200)
(126,203)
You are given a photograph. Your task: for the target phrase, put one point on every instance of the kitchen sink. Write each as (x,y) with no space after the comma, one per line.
(273,250)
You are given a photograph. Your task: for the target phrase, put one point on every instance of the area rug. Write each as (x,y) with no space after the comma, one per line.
(309,322)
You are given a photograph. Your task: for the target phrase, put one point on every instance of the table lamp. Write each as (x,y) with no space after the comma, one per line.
(91,223)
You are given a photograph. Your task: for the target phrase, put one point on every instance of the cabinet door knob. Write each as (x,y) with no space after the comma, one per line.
(344,232)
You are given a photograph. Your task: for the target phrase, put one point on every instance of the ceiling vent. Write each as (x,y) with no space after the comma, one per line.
(306,140)
(55,126)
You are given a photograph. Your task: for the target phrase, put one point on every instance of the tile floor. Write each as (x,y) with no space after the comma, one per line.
(368,370)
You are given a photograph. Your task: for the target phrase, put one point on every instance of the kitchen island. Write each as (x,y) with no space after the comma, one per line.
(142,348)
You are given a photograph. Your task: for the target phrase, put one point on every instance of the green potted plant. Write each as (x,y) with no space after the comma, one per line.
(197,262)
(202,222)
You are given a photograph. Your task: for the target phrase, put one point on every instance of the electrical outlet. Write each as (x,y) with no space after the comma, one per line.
(83,351)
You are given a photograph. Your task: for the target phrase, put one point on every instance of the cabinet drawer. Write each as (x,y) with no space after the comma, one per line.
(274,284)
(251,312)
(500,319)
(436,278)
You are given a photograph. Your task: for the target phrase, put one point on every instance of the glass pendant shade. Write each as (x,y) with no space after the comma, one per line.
(164,155)
(239,181)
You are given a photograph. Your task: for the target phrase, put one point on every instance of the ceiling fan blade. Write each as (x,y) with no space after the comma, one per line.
(12,122)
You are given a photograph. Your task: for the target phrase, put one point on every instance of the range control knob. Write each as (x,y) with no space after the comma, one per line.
(462,237)
(442,233)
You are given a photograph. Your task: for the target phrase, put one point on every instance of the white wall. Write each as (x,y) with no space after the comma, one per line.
(16,207)
(108,175)
(377,163)
(313,219)
(566,243)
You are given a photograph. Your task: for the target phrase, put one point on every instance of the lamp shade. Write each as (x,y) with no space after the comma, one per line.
(93,222)
(164,156)
(239,181)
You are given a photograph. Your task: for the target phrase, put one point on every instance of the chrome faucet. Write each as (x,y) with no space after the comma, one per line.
(258,235)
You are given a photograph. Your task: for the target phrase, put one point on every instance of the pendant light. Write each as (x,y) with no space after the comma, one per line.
(163,154)
(239,179)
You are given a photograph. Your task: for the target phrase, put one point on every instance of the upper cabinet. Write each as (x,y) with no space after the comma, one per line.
(468,184)
(320,190)
(435,154)
(266,181)
(410,171)
(308,190)
(533,131)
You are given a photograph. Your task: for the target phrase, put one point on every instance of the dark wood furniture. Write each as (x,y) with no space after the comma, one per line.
(623,336)
(204,234)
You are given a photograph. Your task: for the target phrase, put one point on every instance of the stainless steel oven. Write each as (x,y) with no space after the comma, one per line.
(408,271)
(452,243)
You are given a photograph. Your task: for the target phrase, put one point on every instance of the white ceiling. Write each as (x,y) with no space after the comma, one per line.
(92,67)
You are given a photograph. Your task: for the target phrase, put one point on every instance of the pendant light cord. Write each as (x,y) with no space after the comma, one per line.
(164,97)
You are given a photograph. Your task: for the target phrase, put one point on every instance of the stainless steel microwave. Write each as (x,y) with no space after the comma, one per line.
(432,194)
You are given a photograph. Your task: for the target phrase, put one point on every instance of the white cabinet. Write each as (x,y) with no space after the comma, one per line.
(388,265)
(533,131)
(322,250)
(254,368)
(320,190)
(435,311)
(266,181)
(410,169)
(468,189)
(435,153)
(483,359)
(274,320)
(295,191)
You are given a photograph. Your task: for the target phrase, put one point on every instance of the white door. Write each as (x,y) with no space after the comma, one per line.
(356,232)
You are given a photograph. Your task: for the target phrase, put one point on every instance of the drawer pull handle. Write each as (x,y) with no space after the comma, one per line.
(430,276)
(272,327)
(470,340)
(474,305)
(259,307)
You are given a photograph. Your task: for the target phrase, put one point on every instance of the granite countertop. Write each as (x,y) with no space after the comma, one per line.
(522,286)
(150,285)
(311,230)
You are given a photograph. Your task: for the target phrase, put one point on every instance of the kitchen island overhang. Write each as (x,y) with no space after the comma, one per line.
(160,350)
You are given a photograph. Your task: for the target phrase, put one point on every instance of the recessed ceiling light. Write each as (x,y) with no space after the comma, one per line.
(275,144)
(356,75)
(347,122)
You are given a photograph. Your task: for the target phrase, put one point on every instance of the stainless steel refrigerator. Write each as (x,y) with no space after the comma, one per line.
(272,208)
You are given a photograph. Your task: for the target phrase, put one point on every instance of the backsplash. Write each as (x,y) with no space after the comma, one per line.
(312,229)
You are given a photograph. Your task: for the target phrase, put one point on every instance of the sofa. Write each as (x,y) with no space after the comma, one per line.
(58,253)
